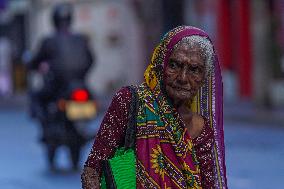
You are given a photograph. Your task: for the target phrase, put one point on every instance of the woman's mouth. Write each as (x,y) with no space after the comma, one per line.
(181,89)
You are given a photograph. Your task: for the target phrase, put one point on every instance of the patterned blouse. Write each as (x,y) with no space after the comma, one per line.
(111,135)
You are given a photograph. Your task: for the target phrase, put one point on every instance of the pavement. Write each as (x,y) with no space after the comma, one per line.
(254,150)
(22,161)
(254,155)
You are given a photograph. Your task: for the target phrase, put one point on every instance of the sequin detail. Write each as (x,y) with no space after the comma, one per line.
(203,145)
(112,130)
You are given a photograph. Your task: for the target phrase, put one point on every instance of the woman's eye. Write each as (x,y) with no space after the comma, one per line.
(173,65)
(195,70)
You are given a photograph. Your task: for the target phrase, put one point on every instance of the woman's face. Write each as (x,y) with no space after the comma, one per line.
(185,73)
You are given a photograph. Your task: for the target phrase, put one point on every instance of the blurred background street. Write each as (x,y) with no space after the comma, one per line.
(249,40)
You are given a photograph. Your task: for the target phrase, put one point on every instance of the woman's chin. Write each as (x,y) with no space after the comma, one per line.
(181,96)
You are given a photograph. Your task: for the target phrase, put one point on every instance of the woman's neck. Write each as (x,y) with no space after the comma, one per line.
(183,109)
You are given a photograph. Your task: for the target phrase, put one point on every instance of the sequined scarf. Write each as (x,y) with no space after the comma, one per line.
(165,153)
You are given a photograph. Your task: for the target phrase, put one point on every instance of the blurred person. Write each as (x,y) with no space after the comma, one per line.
(179,119)
(63,58)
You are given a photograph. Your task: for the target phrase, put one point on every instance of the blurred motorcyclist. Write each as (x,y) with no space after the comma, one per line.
(61,57)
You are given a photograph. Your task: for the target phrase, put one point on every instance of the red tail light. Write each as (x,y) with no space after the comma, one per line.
(80,95)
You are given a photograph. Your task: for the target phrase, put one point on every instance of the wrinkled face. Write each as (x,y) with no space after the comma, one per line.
(185,73)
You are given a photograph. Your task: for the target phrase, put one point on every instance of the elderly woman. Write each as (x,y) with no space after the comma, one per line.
(179,132)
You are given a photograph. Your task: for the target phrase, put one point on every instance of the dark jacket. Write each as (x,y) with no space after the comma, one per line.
(68,55)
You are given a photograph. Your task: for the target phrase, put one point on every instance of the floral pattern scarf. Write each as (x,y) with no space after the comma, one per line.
(165,154)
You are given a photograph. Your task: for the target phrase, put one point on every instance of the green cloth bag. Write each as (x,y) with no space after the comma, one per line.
(123,169)
(119,171)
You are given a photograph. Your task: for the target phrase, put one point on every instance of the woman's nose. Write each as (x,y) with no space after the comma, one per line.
(182,77)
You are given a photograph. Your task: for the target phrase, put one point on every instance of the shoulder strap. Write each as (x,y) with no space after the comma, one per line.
(130,135)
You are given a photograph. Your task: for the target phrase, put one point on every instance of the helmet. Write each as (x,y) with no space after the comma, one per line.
(62,15)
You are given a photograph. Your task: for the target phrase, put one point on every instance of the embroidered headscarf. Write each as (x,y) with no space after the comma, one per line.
(208,103)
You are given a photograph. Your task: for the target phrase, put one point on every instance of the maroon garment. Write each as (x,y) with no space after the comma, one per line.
(112,132)
(203,144)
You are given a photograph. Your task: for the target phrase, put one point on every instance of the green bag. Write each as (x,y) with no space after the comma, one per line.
(123,170)
(119,172)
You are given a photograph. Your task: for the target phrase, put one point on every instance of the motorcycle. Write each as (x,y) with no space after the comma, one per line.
(68,117)
(63,106)
(65,120)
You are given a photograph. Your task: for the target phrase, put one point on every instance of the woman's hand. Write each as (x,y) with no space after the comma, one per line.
(90,179)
